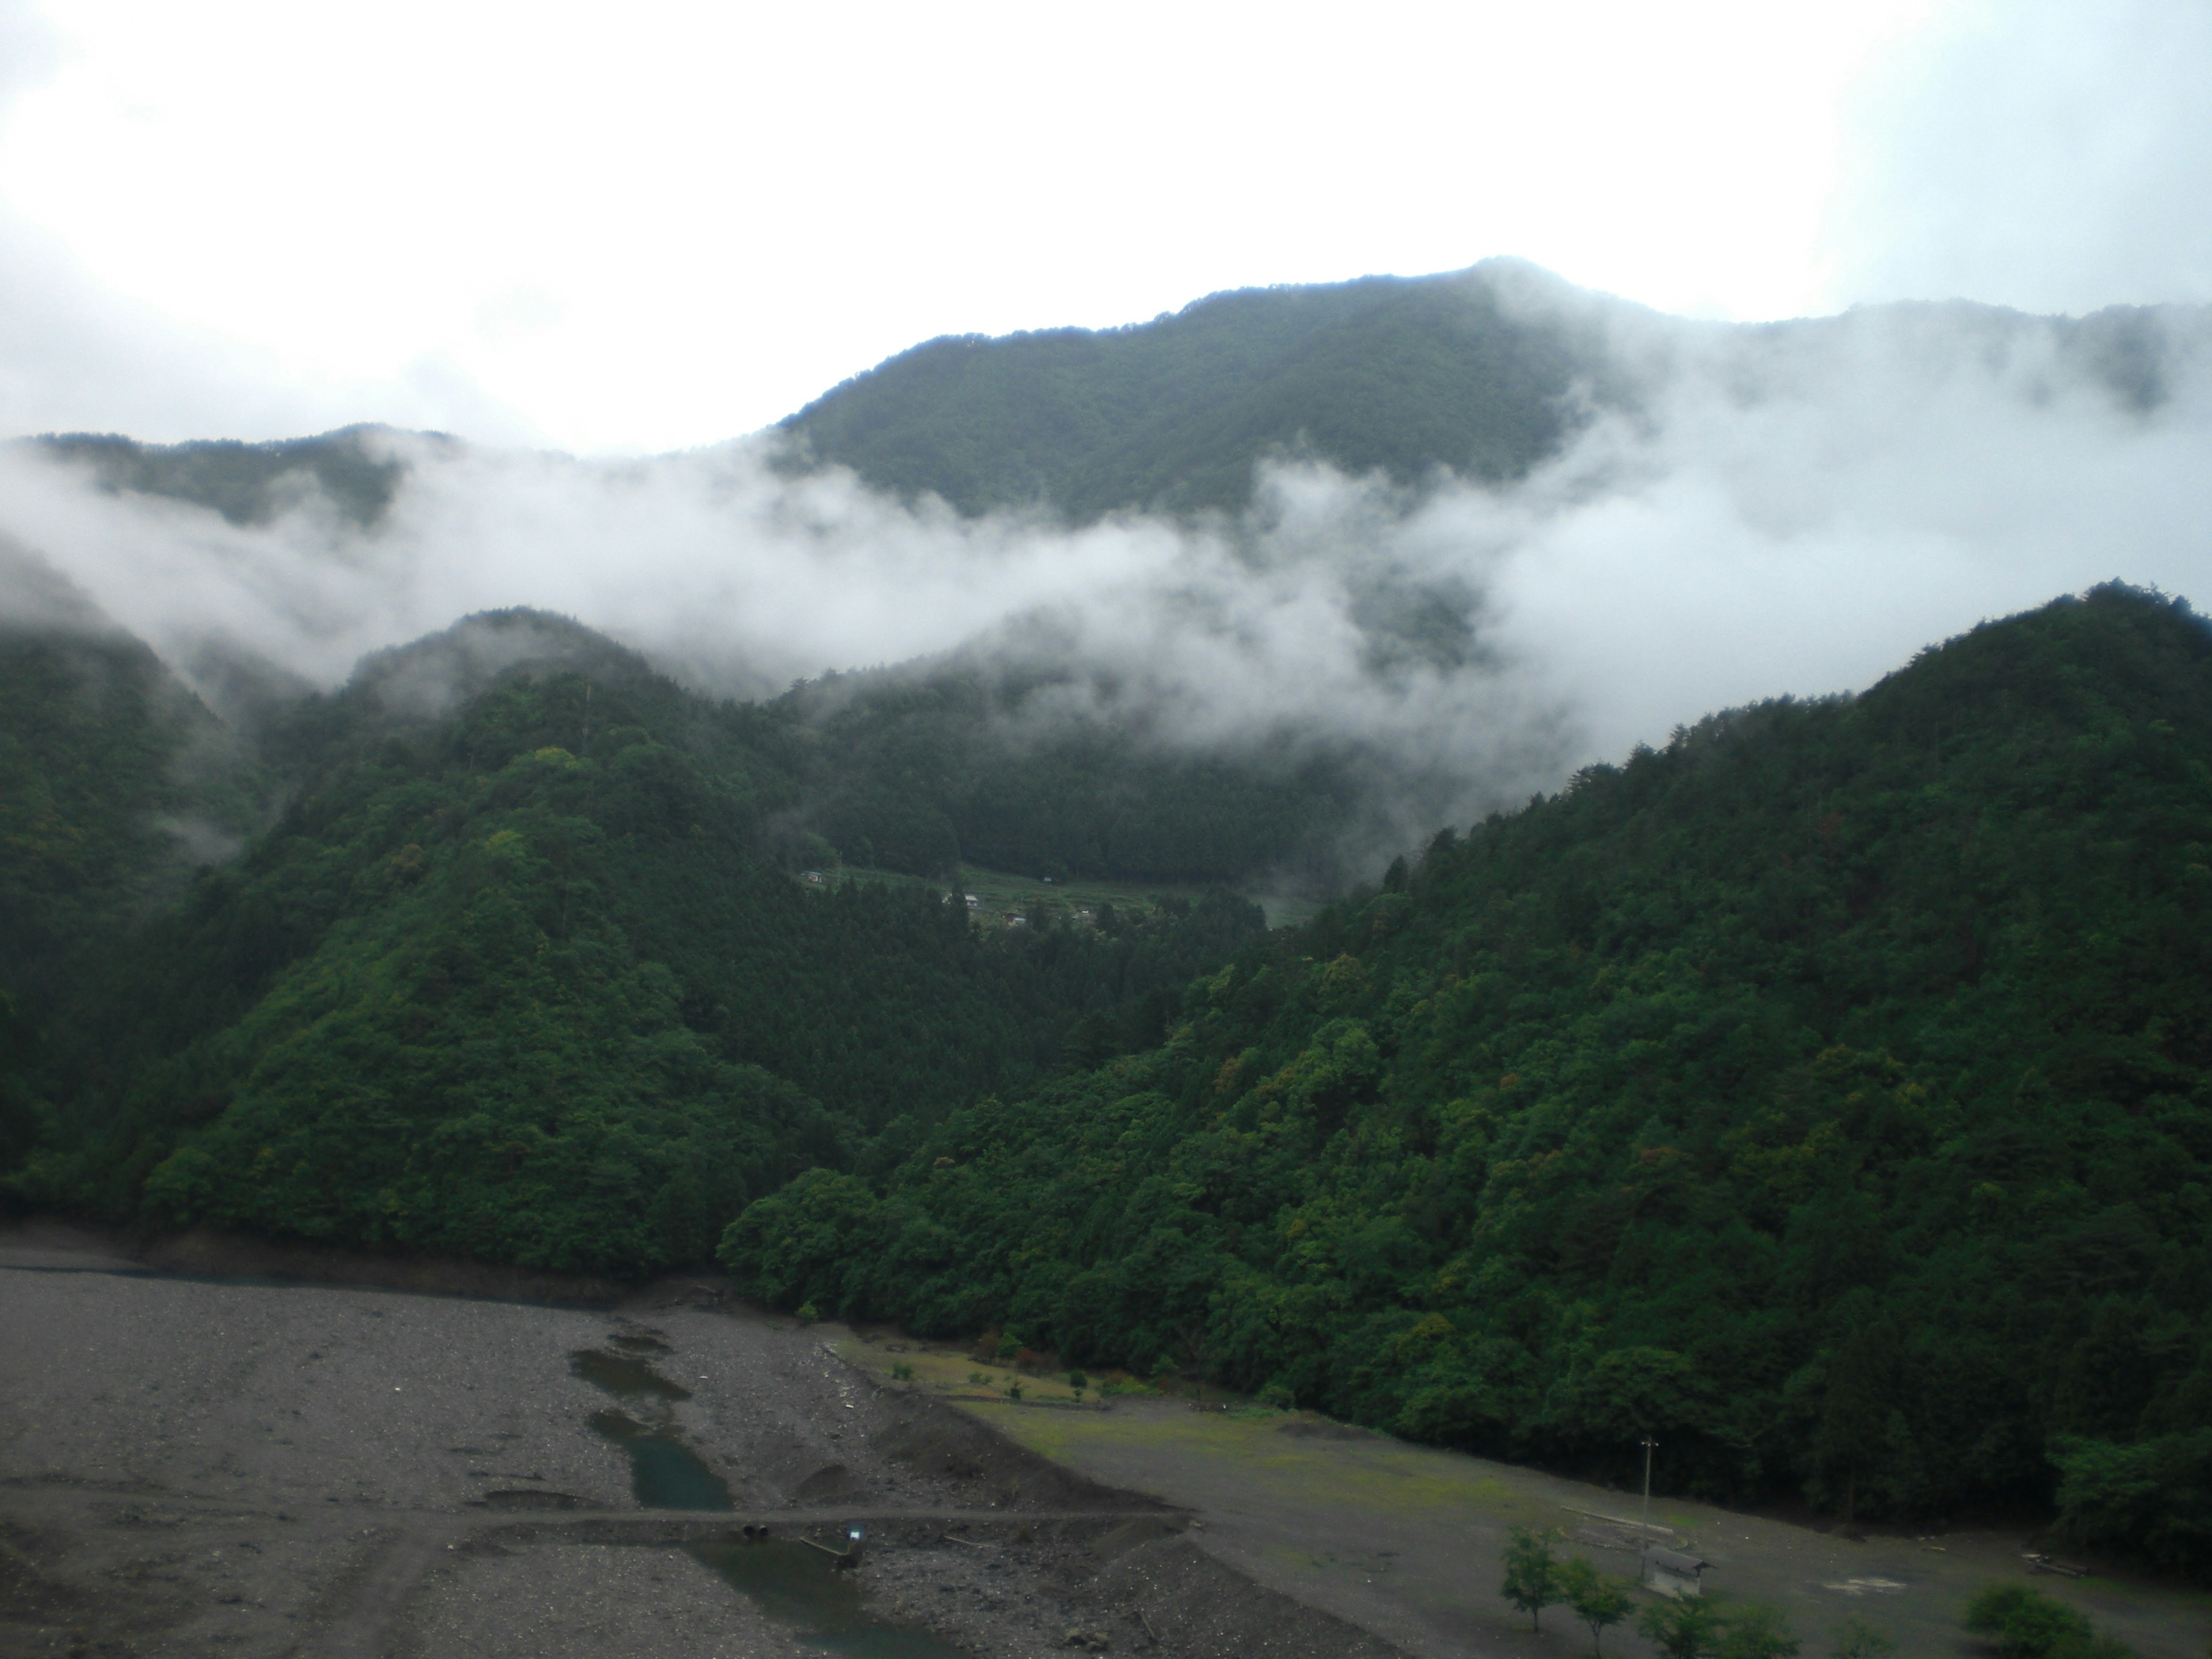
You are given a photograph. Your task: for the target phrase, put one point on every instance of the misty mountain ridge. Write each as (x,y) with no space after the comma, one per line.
(1479,374)
(1334,659)
(249,484)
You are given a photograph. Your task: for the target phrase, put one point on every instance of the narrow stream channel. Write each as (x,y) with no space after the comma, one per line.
(665,1474)
(792,1584)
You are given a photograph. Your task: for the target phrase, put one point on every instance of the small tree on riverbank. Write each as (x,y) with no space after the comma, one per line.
(1687,1627)
(1599,1600)
(1532,1574)
(1756,1632)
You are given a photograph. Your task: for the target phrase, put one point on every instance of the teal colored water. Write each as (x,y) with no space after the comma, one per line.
(665,1474)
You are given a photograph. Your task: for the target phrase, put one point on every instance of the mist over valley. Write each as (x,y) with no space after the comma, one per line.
(1580,526)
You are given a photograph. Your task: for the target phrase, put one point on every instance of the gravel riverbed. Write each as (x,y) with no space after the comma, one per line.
(212,1465)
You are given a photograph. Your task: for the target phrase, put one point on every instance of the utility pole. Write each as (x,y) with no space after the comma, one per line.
(1643,1542)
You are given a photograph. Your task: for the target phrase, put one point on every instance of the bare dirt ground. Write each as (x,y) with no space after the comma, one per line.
(216,1466)
(1406,1541)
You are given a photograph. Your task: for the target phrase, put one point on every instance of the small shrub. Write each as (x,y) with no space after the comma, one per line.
(901,1372)
(1857,1639)
(1687,1627)
(1279,1398)
(1010,1348)
(1077,1381)
(809,1313)
(1754,1631)
(1014,1389)
(2028,1625)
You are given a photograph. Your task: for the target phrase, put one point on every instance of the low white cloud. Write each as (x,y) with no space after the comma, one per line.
(2033,153)
(1795,510)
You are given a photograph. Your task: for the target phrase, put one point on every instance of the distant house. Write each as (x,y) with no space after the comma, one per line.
(972,900)
(1018,921)
(1673,1573)
(813,878)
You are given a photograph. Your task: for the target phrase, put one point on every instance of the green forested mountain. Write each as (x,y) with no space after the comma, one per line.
(1390,374)
(1829,1093)
(518,974)
(115,783)
(246,483)
(1483,373)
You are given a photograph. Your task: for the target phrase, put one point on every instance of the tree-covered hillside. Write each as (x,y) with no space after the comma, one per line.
(1828,1094)
(519,975)
(914,768)
(1390,375)
(116,783)
(246,483)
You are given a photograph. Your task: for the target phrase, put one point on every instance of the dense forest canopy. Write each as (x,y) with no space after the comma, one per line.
(1829,1093)
(115,781)
(1481,374)
(519,971)
(1386,374)
(973,757)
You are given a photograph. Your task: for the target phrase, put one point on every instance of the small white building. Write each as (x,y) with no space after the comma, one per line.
(1670,1573)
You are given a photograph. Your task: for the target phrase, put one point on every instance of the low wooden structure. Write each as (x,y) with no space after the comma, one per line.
(1670,1573)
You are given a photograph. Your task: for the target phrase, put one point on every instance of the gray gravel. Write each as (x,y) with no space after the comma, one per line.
(202,1466)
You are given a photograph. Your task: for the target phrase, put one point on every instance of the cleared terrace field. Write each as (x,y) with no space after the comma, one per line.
(1406,1541)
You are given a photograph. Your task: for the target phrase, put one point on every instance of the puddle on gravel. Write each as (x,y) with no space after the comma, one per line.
(792,1584)
(665,1474)
(798,1587)
(625,1375)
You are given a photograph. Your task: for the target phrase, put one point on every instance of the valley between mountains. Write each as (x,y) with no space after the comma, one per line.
(551,1010)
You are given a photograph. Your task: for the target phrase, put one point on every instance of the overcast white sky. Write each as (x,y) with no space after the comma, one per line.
(661,225)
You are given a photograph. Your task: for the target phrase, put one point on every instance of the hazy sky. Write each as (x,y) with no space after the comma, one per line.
(658,226)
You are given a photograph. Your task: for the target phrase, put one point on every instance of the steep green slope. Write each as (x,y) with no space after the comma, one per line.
(115,783)
(912,769)
(1829,1094)
(1386,373)
(518,975)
